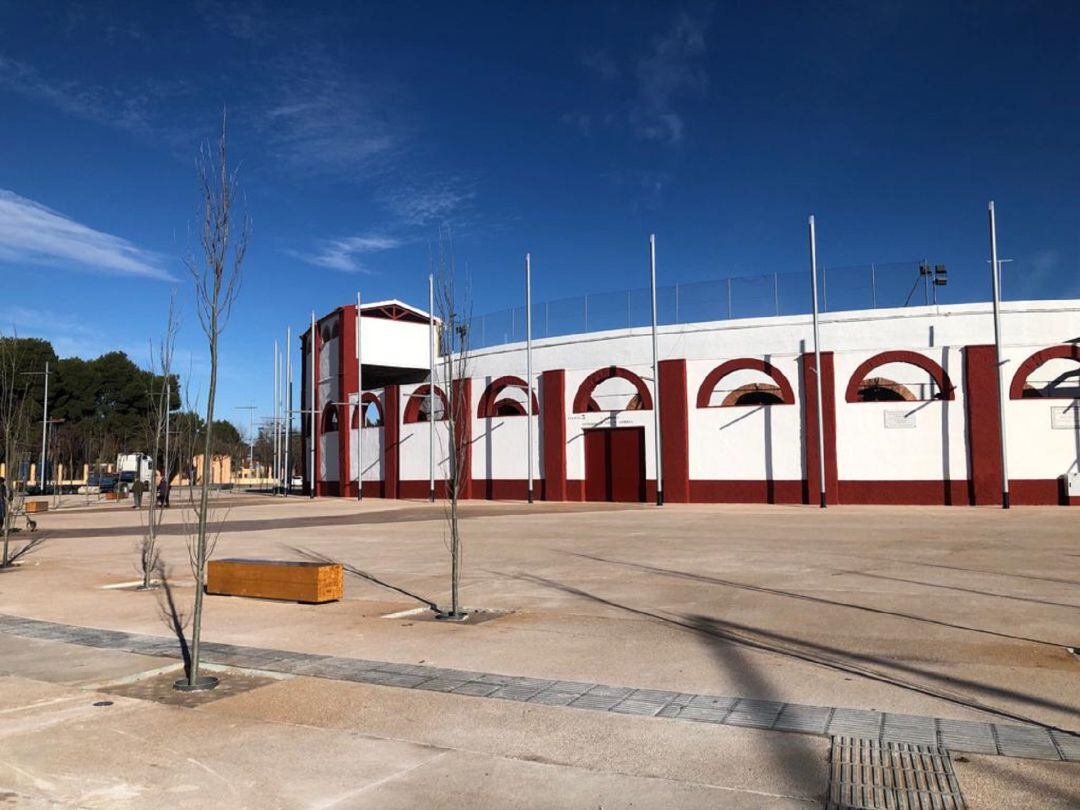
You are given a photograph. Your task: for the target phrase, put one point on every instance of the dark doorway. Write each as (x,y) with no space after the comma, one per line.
(615,464)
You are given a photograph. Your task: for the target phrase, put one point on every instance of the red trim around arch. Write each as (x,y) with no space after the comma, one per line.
(588,385)
(1066,351)
(944,384)
(708,385)
(416,400)
(489,400)
(368,399)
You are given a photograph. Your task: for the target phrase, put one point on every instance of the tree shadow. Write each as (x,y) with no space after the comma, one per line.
(959,589)
(26,549)
(174,618)
(892,672)
(316,556)
(972,570)
(798,756)
(821,600)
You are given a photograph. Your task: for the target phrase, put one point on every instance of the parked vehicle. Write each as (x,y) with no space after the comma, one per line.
(130,466)
(98,485)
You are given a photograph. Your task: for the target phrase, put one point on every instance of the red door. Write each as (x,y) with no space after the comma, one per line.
(615,464)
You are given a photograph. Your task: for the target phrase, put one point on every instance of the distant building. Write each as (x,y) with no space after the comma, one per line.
(910,409)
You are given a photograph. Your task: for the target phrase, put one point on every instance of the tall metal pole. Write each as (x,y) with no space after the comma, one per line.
(359,409)
(283,414)
(44,430)
(431,387)
(311,413)
(277,391)
(995,269)
(168,412)
(288,410)
(658,461)
(528,369)
(817,363)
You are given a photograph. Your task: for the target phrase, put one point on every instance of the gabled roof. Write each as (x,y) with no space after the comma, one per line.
(394,310)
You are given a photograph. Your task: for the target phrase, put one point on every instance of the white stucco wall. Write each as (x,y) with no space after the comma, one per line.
(873,442)
(745,443)
(755,442)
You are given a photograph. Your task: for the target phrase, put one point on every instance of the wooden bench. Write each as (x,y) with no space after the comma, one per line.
(36,506)
(292,581)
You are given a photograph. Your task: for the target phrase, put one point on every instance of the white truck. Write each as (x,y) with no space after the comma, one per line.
(130,466)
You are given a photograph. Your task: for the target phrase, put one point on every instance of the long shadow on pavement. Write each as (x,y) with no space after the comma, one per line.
(948,688)
(821,600)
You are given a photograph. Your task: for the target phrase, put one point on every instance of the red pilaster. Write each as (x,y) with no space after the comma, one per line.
(810,428)
(675,431)
(462,394)
(553,433)
(391,439)
(982,408)
(313,374)
(346,386)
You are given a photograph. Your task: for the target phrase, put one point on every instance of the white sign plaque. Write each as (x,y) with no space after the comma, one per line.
(899,420)
(1065,417)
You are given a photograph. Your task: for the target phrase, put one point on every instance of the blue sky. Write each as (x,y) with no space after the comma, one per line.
(570,130)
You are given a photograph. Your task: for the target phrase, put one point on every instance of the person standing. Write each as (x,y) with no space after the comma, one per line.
(5,495)
(137,489)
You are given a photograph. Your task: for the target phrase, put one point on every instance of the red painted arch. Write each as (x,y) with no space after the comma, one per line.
(944,384)
(584,393)
(416,401)
(1066,351)
(708,385)
(368,399)
(489,400)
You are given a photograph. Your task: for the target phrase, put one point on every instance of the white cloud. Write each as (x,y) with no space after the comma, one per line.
(655,83)
(130,108)
(423,203)
(601,63)
(319,119)
(669,71)
(344,254)
(30,233)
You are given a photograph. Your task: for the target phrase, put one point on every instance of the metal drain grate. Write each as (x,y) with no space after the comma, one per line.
(867,774)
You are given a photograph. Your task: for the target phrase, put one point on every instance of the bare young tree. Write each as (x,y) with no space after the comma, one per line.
(160,400)
(216,274)
(453,306)
(14,433)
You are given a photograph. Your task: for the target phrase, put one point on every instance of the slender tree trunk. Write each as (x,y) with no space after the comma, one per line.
(204,500)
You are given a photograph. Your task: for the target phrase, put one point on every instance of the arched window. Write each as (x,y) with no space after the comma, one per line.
(373,412)
(584,402)
(329,330)
(1057,380)
(493,403)
(510,407)
(754,394)
(776,392)
(416,409)
(879,389)
(330,419)
(861,387)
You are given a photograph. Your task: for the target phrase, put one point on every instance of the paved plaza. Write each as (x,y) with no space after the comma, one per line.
(622,656)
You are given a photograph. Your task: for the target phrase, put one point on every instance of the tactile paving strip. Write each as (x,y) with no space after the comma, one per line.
(1033,742)
(869,774)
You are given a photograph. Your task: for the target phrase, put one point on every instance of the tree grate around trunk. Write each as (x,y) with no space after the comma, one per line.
(871,774)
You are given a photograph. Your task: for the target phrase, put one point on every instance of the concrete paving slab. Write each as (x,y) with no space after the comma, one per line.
(468,780)
(58,662)
(739,759)
(991,783)
(143,754)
